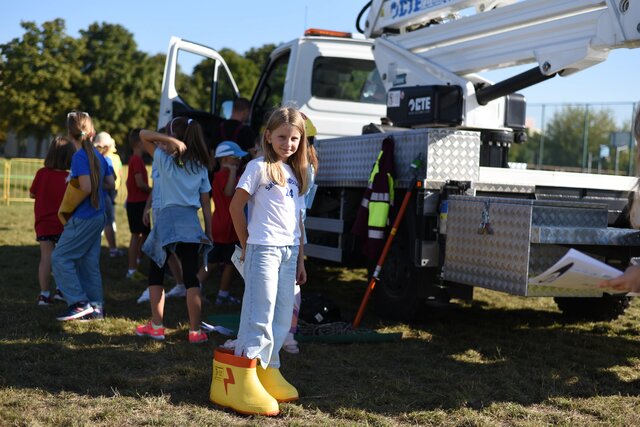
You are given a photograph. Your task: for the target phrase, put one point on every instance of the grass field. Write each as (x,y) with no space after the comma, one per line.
(500,360)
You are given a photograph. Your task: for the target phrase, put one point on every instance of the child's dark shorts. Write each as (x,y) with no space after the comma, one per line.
(50,238)
(135,211)
(221,253)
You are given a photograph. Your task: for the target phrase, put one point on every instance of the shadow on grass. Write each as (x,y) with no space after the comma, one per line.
(453,358)
(473,357)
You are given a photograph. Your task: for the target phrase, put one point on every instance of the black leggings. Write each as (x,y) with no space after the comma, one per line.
(188,256)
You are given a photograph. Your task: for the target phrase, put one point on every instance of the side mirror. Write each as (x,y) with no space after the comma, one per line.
(227,108)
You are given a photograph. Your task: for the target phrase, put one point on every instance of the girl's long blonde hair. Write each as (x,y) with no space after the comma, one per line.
(80,128)
(298,161)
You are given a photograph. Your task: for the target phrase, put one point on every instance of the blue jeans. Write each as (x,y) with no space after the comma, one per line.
(267,305)
(76,260)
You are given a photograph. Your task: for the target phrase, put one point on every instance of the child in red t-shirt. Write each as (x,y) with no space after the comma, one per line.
(228,155)
(137,194)
(48,189)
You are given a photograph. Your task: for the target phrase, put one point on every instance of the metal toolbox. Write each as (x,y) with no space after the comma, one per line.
(448,155)
(498,243)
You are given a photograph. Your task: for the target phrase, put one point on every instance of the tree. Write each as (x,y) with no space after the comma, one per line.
(564,137)
(195,88)
(122,84)
(244,71)
(260,55)
(37,76)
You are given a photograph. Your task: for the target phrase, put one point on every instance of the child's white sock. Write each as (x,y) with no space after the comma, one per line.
(223,294)
(45,293)
(130,271)
(154,326)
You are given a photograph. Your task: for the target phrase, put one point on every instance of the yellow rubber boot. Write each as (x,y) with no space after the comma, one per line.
(276,385)
(235,385)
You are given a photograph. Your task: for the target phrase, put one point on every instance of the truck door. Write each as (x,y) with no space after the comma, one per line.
(196,84)
(270,89)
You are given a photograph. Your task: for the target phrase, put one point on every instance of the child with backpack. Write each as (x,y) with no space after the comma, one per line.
(76,257)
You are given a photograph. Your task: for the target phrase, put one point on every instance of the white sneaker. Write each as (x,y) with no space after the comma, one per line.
(144,297)
(291,345)
(178,291)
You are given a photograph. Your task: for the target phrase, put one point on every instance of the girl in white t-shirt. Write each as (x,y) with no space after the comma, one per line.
(273,262)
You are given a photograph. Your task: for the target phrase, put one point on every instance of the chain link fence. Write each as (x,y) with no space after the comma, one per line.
(17,175)
(593,138)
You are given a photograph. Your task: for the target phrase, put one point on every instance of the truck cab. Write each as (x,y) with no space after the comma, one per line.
(329,76)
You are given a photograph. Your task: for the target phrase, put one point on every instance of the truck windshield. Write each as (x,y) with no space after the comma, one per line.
(347,79)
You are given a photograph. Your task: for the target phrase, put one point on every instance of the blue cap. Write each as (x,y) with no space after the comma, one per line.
(229,148)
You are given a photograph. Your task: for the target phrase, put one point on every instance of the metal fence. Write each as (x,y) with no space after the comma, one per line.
(593,137)
(17,175)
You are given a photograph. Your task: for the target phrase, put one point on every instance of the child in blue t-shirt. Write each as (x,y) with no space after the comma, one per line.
(76,258)
(181,161)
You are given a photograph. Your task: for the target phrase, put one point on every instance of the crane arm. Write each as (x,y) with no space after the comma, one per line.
(441,42)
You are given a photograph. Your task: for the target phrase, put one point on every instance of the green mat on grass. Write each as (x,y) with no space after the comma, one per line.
(339,332)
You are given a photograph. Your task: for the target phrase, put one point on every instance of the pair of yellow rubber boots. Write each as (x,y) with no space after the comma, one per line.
(243,385)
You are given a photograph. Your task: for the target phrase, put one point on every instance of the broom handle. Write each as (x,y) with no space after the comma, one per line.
(383,256)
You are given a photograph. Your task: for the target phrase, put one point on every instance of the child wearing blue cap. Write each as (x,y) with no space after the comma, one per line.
(229,156)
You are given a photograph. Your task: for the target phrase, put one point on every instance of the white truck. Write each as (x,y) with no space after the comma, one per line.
(416,68)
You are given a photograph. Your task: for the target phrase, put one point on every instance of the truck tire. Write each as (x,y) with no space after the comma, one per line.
(395,296)
(607,307)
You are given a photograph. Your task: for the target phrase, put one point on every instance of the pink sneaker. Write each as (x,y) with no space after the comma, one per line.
(197,337)
(149,331)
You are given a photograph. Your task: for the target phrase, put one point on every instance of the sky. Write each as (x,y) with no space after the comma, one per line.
(243,24)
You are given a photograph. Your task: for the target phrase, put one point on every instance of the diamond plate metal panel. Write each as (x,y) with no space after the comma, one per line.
(586,236)
(454,156)
(498,261)
(448,154)
(570,216)
(542,257)
(504,188)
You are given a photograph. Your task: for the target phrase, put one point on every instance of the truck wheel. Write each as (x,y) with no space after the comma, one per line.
(395,296)
(607,307)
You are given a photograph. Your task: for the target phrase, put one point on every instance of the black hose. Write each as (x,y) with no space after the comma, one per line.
(366,6)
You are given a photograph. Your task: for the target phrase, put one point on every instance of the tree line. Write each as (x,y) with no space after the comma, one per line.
(46,73)
(573,138)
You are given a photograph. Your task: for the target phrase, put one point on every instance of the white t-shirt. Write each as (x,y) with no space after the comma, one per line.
(274,211)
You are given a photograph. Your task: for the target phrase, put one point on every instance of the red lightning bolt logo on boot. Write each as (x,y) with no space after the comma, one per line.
(228,380)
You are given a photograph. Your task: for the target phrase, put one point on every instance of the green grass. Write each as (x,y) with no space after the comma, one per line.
(500,360)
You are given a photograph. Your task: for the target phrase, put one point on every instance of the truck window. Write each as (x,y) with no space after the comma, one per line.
(347,79)
(270,91)
(196,83)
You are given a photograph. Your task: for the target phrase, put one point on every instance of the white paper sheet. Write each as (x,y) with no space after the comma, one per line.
(576,270)
(235,259)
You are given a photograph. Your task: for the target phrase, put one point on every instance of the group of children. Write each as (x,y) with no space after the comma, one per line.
(261,211)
